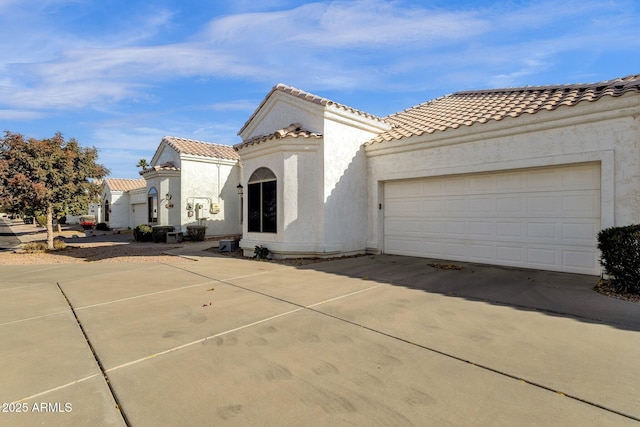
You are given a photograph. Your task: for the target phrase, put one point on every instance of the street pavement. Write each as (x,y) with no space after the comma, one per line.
(371,340)
(8,239)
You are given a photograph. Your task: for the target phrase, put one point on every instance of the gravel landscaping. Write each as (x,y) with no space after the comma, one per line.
(95,252)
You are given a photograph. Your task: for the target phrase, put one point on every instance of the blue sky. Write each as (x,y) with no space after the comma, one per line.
(121,74)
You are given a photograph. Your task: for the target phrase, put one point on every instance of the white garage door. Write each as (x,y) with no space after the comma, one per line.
(139,214)
(545,218)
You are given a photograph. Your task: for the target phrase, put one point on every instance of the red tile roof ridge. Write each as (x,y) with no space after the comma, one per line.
(201,148)
(630,80)
(294,130)
(125,184)
(481,106)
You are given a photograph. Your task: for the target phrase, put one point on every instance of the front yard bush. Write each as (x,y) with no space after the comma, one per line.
(102,226)
(41,220)
(196,232)
(159,233)
(142,233)
(260,253)
(620,248)
(39,247)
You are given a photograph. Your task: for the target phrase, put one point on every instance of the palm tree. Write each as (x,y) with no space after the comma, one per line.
(142,164)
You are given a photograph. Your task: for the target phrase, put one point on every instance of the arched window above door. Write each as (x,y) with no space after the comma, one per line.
(262,201)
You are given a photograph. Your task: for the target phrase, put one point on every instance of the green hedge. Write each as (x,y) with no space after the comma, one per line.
(159,233)
(41,220)
(142,233)
(620,247)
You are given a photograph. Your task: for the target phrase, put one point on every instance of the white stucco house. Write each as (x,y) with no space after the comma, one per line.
(123,203)
(522,177)
(187,182)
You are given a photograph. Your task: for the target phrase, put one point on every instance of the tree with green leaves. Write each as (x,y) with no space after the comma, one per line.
(142,164)
(48,176)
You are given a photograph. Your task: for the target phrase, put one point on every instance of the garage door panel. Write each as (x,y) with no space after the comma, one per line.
(542,180)
(453,228)
(509,230)
(434,187)
(543,230)
(482,229)
(542,257)
(584,232)
(510,255)
(402,207)
(585,204)
(455,250)
(581,177)
(457,207)
(547,218)
(484,205)
(435,206)
(510,205)
(433,227)
(510,181)
(578,259)
(403,226)
(482,184)
(406,189)
(455,185)
(548,205)
(481,253)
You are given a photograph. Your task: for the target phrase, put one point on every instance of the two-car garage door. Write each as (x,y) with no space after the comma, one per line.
(544,218)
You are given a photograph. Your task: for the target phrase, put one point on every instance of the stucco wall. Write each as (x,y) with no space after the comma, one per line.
(345,183)
(119,205)
(607,132)
(166,154)
(205,182)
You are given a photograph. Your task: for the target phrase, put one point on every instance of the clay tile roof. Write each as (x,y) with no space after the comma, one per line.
(480,106)
(168,166)
(294,130)
(201,148)
(307,97)
(122,184)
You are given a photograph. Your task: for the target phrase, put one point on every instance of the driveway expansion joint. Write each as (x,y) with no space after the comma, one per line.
(96,358)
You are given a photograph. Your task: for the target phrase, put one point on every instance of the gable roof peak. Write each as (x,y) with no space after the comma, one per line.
(307,96)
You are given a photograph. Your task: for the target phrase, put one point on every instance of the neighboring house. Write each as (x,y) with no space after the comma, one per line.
(188,182)
(121,202)
(522,177)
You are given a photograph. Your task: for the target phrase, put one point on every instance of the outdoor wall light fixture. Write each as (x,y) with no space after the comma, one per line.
(240,188)
(168,196)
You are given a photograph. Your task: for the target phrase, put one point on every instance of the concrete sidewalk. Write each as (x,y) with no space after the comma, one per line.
(376,340)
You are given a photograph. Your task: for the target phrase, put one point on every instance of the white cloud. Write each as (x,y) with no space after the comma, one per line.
(20,115)
(236,105)
(345,24)
(340,44)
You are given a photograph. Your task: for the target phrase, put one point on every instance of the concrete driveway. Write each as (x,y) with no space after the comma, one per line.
(375,340)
